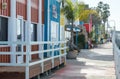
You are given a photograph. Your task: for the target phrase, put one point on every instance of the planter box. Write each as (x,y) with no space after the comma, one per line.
(72,54)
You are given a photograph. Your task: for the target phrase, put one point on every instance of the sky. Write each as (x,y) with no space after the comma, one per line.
(114,19)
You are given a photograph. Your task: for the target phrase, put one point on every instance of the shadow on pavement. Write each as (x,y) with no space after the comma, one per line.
(88,54)
(72,70)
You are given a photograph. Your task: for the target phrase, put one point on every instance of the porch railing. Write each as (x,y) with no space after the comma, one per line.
(61,45)
(116,51)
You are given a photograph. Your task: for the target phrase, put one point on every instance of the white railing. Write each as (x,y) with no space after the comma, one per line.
(116,52)
(61,45)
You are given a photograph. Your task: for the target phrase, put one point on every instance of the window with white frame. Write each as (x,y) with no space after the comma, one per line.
(62,34)
(54,31)
(33,32)
(20,29)
(3,29)
(20,32)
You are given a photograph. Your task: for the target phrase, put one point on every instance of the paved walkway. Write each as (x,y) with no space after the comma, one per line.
(95,63)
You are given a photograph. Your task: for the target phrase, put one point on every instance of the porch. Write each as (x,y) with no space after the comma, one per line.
(29,60)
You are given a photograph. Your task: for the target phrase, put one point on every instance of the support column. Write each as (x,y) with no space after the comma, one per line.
(48,27)
(28,40)
(39,27)
(39,33)
(12,29)
(28,22)
(48,22)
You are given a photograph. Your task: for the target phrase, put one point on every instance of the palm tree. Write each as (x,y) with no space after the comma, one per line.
(103,10)
(71,12)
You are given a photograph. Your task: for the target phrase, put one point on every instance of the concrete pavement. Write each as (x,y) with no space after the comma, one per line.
(95,63)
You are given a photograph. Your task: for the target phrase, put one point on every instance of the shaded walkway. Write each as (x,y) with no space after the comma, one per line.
(96,63)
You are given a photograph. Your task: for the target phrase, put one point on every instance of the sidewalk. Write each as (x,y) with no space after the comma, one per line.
(96,63)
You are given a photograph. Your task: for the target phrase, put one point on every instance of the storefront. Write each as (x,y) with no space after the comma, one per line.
(52,24)
(29,37)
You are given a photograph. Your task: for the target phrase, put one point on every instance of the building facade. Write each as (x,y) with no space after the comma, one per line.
(30,38)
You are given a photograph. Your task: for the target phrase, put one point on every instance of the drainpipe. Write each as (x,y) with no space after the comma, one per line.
(12,29)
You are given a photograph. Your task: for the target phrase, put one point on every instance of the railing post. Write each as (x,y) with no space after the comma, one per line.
(13,55)
(28,50)
(116,52)
(42,57)
(12,29)
(48,26)
(39,33)
(60,58)
(65,50)
(28,46)
(52,55)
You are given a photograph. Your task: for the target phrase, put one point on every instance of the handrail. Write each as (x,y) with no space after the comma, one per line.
(116,52)
(32,52)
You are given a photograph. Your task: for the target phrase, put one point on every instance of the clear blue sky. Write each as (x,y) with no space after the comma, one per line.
(114,10)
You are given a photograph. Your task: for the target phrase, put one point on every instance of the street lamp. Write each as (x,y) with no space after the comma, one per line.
(114,24)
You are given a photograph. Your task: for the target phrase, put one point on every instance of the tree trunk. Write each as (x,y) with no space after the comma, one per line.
(72,45)
(104,27)
(72,34)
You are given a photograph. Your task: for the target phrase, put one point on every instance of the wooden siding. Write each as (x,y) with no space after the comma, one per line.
(47,65)
(5,12)
(34,10)
(63,60)
(35,70)
(21,8)
(35,48)
(4,58)
(19,72)
(56,62)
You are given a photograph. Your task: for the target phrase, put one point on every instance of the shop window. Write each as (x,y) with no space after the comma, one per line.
(33,32)
(54,31)
(3,29)
(20,32)
(20,29)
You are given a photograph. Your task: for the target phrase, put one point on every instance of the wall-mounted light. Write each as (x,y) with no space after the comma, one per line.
(4,5)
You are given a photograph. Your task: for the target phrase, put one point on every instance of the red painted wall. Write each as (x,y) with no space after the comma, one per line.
(34,10)
(88,27)
(5,12)
(21,8)
(5,58)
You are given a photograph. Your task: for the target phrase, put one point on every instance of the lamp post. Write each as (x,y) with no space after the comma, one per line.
(114,26)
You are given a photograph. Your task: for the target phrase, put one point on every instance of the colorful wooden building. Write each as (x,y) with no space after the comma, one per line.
(30,38)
